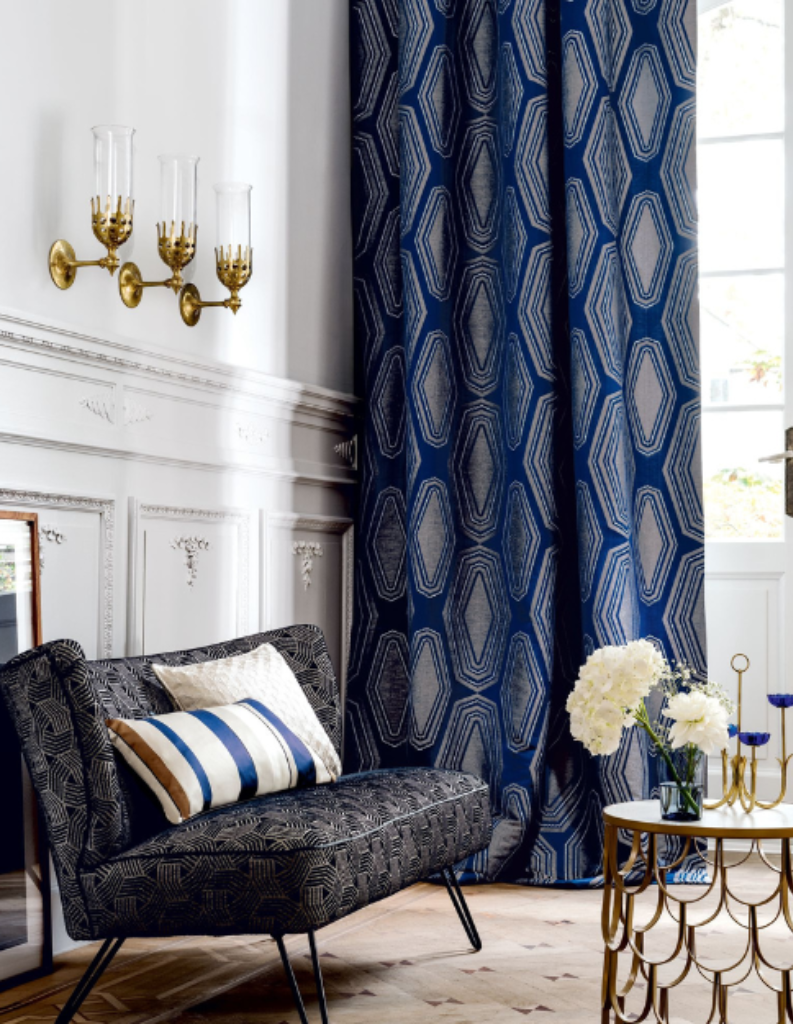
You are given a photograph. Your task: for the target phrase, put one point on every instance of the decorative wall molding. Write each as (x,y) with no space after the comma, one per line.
(51,534)
(232,409)
(139,513)
(292,396)
(100,406)
(190,546)
(106,509)
(348,451)
(250,433)
(308,550)
(295,475)
(134,412)
(294,521)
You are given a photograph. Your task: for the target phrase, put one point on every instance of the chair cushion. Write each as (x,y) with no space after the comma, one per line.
(292,861)
(262,674)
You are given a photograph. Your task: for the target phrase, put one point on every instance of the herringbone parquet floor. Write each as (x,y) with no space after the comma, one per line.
(404,961)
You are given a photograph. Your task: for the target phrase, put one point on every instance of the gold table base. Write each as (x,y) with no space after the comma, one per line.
(625,939)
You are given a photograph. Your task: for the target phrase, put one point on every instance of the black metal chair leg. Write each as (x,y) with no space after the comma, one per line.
(97,968)
(290,977)
(323,1006)
(460,905)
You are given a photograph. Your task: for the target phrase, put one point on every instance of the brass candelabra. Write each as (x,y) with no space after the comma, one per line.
(735,788)
(233,270)
(112,226)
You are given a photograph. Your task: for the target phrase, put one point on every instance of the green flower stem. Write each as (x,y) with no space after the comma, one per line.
(691,762)
(642,719)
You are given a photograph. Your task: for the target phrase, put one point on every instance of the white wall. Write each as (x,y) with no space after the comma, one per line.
(124,429)
(258,89)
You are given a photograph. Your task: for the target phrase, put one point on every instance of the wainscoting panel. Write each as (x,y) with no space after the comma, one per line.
(43,391)
(202,447)
(76,538)
(307,577)
(189,577)
(93,396)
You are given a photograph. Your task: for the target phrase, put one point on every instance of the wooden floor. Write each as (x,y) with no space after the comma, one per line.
(404,961)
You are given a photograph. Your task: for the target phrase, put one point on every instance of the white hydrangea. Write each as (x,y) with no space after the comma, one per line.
(598,724)
(698,718)
(611,685)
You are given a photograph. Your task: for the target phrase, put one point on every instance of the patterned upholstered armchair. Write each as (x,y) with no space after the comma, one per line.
(286,863)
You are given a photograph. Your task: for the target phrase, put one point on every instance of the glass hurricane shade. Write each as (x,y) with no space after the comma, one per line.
(781,700)
(233,215)
(113,162)
(178,193)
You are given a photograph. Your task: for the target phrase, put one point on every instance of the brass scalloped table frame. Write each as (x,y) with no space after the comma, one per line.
(623,936)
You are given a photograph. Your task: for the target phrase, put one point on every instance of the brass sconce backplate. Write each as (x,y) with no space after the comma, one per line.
(190,305)
(130,285)
(62,260)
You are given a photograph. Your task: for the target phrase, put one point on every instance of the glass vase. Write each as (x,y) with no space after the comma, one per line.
(682,792)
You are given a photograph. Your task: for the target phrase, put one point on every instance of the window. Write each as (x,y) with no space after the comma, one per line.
(741,159)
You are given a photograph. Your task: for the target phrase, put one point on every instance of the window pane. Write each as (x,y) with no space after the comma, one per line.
(741,69)
(742,339)
(743,497)
(741,205)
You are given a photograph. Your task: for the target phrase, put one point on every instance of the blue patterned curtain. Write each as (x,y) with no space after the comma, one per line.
(526,322)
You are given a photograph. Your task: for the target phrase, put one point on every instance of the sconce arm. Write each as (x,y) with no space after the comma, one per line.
(191,304)
(63,263)
(74,264)
(131,284)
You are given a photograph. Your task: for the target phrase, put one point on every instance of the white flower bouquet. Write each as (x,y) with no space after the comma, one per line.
(610,695)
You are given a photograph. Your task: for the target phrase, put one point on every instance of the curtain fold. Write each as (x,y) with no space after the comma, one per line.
(526,327)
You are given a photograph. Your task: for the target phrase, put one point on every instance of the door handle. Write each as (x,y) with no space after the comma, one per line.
(786,457)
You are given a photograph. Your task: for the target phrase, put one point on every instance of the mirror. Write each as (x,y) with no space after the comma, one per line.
(25,932)
(20,600)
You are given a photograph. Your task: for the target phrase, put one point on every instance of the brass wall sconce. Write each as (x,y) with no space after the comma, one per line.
(176,231)
(233,254)
(111,207)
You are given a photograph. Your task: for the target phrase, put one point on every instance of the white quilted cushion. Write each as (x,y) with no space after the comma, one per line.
(263,675)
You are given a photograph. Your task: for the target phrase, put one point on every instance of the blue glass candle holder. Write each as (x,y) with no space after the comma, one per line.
(754,739)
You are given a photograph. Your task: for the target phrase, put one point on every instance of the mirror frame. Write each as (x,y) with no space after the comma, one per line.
(41,876)
(33,519)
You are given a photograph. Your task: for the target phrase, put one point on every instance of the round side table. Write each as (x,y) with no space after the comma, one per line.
(624,937)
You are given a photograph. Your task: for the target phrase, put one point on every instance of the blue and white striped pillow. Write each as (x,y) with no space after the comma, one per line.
(196,760)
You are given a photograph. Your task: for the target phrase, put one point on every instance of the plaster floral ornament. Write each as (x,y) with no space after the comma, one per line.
(611,695)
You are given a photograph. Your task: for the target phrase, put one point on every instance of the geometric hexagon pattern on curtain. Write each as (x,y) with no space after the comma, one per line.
(526,328)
